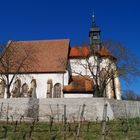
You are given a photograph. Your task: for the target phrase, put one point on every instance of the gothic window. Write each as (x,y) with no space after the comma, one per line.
(49,88)
(16,88)
(2,88)
(57,91)
(24,90)
(32,91)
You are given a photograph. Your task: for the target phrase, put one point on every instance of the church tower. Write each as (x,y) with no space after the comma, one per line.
(94,35)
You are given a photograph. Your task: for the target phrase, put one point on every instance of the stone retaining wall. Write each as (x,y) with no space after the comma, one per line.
(44,108)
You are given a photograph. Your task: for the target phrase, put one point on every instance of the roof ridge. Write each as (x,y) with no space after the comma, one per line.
(41,40)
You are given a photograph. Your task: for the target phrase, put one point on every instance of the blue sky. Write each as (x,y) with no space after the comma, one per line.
(57,19)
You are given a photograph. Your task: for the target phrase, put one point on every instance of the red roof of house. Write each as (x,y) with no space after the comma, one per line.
(79,84)
(44,55)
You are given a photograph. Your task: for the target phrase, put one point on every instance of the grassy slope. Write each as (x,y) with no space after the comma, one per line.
(128,129)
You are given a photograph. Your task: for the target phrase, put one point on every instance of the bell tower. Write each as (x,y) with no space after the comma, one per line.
(94,35)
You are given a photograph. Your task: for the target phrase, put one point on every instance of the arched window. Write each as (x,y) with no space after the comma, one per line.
(57,91)
(2,88)
(16,88)
(24,90)
(32,91)
(49,88)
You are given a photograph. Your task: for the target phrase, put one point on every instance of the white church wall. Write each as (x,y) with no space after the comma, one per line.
(107,63)
(80,66)
(41,80)
(77,66)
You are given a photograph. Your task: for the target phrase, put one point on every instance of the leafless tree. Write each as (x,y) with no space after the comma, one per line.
(106,64)
(14,61)
(130,95)
(98,69)
(127,63)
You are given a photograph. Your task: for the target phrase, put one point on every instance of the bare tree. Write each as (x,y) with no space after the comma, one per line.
(127,63)
(105,65)
(130,95)
(14,61)
(99,69)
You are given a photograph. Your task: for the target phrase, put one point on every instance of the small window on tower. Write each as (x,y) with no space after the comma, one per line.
(95,37)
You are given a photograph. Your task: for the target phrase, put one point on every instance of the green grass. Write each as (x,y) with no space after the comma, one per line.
(124,129)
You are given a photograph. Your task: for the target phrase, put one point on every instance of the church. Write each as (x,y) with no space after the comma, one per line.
(54,69)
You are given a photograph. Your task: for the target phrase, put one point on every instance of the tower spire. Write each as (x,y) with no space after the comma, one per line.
(93,20)
(94,34)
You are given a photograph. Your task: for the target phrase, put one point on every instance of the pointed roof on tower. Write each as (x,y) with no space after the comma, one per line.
(94,27)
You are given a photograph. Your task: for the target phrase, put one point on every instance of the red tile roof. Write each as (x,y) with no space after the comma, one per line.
(82,52)
(79,84)
(104,52)
(48,55)
(79,52)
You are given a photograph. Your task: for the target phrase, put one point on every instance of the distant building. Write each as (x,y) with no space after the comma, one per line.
(55,73)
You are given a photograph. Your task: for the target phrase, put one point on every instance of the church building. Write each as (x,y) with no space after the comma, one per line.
(54,69)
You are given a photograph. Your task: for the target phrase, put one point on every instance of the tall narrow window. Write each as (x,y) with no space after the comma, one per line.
(24,90)
(49,88)
(16,88)
(32,91)
(2,88)
(57,91)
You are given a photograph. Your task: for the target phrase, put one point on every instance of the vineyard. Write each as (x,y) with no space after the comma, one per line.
(69,119)
(120,129)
